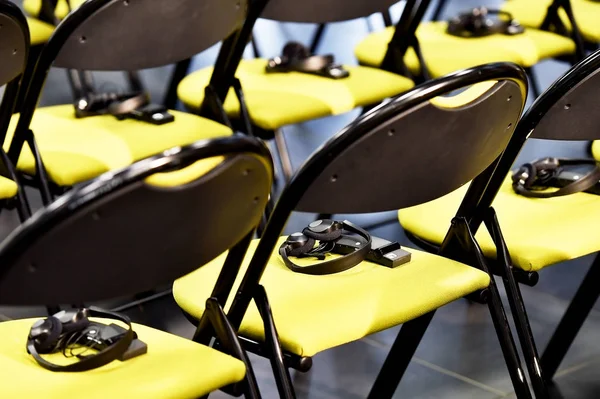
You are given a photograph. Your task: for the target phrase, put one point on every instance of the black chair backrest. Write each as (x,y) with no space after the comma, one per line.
(569,109)
(402,153)
(124,233)
(14,42)
(138,34)
(321,11)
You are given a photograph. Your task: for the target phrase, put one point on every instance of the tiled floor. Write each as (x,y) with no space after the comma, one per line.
(459,356)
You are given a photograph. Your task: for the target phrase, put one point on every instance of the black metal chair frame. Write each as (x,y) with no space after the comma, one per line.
(13,77)
(298,195)
(35,78)
(588,292)
(28,252)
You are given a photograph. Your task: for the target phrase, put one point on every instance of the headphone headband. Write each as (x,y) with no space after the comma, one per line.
(100,359)
(545,169)
(334,265)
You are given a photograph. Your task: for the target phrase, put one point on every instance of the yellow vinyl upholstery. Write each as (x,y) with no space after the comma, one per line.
(596,149)
(278,99)
(314,313)
(76,150)
(39,31)
(532,13)
(445,53)
(173,368)
(33,7)
(8,188)
(538,232)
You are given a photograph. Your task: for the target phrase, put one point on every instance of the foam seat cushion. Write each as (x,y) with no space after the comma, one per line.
(278,99)
(314,313)
(445,53)
(174,367)
(533,12)
(538,232)
(76,150)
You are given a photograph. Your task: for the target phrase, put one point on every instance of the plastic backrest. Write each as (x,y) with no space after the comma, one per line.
(404,155)
(139,34)
(14,42)
(321,11)
(123,233)
(575,115)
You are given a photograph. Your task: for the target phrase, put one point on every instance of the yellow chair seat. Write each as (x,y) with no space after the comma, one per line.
(532,13)
(174,367)
(279,99)
(314,313)
(445,53)
(39,31)
(76,150)
(33,7)
(596,149)
(538,232)
(8,188)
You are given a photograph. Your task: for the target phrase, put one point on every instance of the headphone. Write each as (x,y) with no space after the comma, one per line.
(56,332)
(296,57)
(477,24)
(109,103)
(531,178)
(327,232)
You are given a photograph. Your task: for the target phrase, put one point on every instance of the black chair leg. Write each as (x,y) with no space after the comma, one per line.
(573,319)
(282,374)
(533,83)
(180,71)
(519,314)
(439,9)
(507,343)
(399,357)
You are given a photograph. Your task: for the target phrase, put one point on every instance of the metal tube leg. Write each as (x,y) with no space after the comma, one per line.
(282,375)
(179,72)
(573,319)
(535,86)
(439,9)
(284,155)
(517,307)
(399,357)
(530,353)
(507,343)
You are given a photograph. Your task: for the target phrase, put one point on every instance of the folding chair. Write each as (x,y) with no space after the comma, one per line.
(538,232)
(62,150)
(421,146)
(128,231)
(424,49)
(274,100)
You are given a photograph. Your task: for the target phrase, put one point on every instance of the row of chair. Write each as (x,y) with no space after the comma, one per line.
(113,212)
(428,130)
(411,50)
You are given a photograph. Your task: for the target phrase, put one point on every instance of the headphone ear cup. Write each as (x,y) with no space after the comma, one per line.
(526,173)
(50,332)
(295,50)
(308,245)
